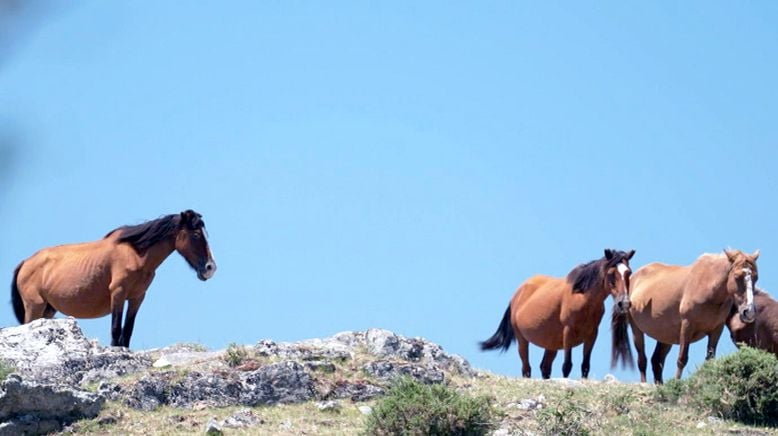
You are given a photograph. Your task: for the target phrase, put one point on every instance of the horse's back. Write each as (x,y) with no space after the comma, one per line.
(73,278)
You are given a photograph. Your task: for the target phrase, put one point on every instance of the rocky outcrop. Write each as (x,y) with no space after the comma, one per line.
(56,351)
(55,364)
(30,408)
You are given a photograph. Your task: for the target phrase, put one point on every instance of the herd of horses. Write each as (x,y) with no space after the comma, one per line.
(672,304)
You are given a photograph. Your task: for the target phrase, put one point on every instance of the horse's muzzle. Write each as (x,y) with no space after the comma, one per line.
(747,313)
(623,304)
(207,271)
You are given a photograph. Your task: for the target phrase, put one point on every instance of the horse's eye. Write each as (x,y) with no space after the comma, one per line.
(196,235)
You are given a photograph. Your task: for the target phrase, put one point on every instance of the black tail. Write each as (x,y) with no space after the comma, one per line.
(503,337)
(16,298)
(621,350)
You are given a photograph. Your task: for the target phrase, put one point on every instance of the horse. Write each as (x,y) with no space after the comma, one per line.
(763,332)
(562,313)
(93,279)
(682,304)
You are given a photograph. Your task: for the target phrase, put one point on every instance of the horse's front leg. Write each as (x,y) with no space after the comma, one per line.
(587,354)
(683,345)
(118,297)
(713,342)
(567,366)
(133,304)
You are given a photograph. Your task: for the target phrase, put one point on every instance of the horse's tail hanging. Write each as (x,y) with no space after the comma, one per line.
(16,298)
(503,337)
(621,350)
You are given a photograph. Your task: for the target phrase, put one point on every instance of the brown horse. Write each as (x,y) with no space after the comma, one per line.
(93,279)
(559,314)
(682,304)
(763,332)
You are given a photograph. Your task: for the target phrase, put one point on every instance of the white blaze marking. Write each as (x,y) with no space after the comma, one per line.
(749,287)
(621,268)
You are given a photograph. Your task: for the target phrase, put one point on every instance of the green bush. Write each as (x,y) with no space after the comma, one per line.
(413,408)
(235,355)
(742,386)
(5,369)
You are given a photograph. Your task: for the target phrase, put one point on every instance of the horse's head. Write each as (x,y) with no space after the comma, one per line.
(192,244)
(617,272)
(741,280)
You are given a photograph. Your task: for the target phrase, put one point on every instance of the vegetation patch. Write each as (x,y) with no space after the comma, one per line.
(412,408)
(5,370)
(742,386)
(235,355)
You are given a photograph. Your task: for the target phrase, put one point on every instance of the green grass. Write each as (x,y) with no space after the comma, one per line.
(5,370)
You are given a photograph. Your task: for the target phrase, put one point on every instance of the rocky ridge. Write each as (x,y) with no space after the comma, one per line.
(60,376)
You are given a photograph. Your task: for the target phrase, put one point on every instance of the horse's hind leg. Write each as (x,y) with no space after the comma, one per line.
(526,370)
(658,360)
(34,310)
(49,312)
(545,364)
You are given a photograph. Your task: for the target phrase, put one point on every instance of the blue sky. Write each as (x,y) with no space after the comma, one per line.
(403,165)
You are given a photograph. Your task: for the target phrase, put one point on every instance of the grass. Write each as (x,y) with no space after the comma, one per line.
(5,370)
(235,355)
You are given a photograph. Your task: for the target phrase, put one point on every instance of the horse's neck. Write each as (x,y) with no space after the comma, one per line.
(717,274)
(596,295)
(157,253)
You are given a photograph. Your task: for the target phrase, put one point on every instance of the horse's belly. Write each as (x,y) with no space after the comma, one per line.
(81,303)
(666,330)
(540,330)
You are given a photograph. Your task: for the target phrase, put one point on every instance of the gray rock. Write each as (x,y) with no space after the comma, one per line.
(282,382)
(31,408)
(365,410)
(241,419)
(355,391)
(213,427)
(383,343)
(56,351)
(312,349)
(29,424)
(328,406)
(387,370)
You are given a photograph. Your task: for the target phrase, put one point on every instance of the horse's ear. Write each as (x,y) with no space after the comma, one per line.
(731,254)
(186,217)
(608,253)
(755,256)
(630,254)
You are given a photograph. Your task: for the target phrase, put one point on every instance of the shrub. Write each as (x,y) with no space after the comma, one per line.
(412,408)
(235,355)
(742,386)
(568,418)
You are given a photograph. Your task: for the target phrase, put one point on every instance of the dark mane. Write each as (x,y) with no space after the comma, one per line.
(143,236)
(588,275)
